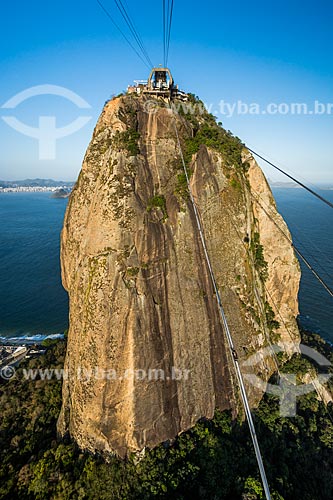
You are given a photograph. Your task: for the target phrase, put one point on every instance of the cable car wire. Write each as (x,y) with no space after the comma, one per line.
(127,19)
(226,328)
(164,34)
(169,33)
(167,23)
(312,256)
(314,193)
(296,346)
(121,32)
(299,253)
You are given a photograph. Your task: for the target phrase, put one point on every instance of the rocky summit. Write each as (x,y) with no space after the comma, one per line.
(147,356)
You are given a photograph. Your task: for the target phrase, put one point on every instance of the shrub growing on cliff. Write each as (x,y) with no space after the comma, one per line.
(132,271)
(127,140)
(181,187)
(158,201)
(258,256)
(271,322)
(214,137)
(234,183)
(206,131)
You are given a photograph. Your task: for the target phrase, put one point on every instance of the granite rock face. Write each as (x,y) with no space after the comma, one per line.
(147,356)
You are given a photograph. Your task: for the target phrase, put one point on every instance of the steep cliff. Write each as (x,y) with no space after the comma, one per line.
(146,354)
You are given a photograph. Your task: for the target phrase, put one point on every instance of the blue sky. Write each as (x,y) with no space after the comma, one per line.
(254,52)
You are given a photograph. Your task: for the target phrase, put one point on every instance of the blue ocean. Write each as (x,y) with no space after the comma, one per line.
(311,224)
(32,299)
(33,302)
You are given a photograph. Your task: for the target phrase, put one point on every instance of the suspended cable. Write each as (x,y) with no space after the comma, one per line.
(299,253)
(226,328)
(313,258)
(164,34)
(271,300)
(170,11)
(133,30)
(257,295)
(167,23)
(121,32)
(324,200)
(296,346)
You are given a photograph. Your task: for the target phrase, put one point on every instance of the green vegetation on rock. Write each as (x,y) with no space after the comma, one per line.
(182,187)
(234,183)
(271,322)
(258,256)
(128,140)
(158,201)
(132,271)
(206,131)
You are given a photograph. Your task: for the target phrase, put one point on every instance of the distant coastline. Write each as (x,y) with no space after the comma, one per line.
(30,339)
(36,189)
(52,186)
(36,186)
(293,185)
